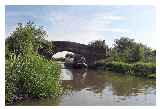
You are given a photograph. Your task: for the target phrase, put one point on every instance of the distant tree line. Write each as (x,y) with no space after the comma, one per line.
(129,51)
(128,56)
(126,50)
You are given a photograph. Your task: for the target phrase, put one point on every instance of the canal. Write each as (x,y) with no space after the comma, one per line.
(97,87)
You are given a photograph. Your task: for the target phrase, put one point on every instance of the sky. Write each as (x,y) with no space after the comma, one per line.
(87,23)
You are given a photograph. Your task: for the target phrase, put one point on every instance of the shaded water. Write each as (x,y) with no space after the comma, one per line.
(92,87)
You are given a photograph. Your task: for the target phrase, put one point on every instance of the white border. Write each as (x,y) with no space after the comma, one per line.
(75,2)
(81,2)
(2,52)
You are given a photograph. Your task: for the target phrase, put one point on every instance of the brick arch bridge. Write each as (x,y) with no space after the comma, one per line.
(91,54)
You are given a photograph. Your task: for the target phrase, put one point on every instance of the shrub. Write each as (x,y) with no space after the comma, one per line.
(38,76)
(144,69)
(119,67)
(27,73)
(138,69)
(33,76)
(10,78)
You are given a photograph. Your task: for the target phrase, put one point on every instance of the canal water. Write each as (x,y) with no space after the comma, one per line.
(103,88)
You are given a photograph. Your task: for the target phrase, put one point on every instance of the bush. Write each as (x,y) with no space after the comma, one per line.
(10,78)
(33,76)
(119,67)
(27,73)
(144,69)
(138,69)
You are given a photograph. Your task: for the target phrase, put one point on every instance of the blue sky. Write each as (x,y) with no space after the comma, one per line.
(86,23)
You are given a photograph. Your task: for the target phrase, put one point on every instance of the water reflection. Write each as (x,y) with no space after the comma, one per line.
(66,74)
(97,81)
(91,87)
(86,79)
(123,89)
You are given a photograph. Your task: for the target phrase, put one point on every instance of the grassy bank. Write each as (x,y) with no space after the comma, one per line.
(137,69)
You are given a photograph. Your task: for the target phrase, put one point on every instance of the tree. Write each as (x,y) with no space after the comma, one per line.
(127,50)
(136,54)
(24,38)
(98,44)
(149,55)
(123,43)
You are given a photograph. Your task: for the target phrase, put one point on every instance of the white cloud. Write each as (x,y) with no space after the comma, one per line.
(72,27)
(103,22)
(80,26)
(108,16)
(82,29)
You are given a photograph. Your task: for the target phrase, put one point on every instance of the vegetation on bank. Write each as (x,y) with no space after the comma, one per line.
(28,74)
(128,56)
(137,69)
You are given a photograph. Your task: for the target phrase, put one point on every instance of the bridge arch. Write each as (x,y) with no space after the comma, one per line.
(90,53)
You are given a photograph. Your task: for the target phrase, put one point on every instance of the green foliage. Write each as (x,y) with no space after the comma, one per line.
(32,75)
(138,69)
(24,37)
(128,56)
(10,78)
(152,75)
(149,55)
(27,73)
(119,67)
(123,43)
(128,51)
(144,69)
(98,44)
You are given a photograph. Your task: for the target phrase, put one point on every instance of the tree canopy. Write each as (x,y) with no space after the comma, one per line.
(127,50)
(27,38)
